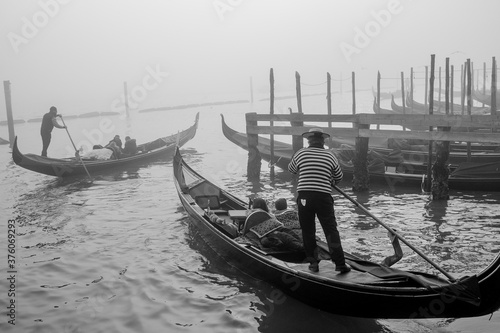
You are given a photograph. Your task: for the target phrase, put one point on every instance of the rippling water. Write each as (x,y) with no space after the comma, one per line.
(118,255)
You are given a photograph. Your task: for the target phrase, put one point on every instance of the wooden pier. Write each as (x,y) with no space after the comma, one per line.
(363,127)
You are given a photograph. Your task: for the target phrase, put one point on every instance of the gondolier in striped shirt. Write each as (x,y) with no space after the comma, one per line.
(318,170)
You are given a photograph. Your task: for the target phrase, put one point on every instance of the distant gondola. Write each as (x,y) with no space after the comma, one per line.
(66,167)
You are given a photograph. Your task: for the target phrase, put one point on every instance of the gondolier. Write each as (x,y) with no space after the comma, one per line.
(49,121)
(318,170)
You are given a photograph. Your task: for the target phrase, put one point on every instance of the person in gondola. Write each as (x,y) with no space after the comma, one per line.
(318,171)
(49,121)
(116,146)
(117,141)
(130,147)
(270,232)
(289,217)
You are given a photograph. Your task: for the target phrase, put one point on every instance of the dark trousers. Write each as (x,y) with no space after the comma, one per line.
(46,142)
(311,204)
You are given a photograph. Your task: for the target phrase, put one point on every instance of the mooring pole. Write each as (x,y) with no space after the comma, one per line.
(469,103)
(411,89)
(494,88)
(403,92)
(439,98)
(462,92)
(378,96)
(484,80)
(440,169)
(271,111)
(426,83)
(298,91)
(431,111)
(254,157)
(329,104)
(8,105)
(353,93)
(452,89)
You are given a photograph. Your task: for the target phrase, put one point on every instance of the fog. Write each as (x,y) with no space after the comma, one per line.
(77,54)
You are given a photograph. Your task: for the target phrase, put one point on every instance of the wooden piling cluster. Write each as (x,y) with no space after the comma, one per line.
(438,171)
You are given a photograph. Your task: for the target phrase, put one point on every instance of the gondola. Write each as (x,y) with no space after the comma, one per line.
(66,167)
(370,290)
(485,98)
(439,107)
(406,169)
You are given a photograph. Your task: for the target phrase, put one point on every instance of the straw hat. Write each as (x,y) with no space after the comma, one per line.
(315,132)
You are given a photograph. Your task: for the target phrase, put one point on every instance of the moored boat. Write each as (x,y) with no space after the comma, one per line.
(398,167)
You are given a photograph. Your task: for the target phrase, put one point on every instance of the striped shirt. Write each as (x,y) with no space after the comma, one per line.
(318,169)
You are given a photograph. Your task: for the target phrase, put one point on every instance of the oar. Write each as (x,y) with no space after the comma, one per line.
(394,233)
(76,150)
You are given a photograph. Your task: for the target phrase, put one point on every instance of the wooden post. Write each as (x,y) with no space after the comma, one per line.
(271,111)
(299,93)
(411,89)
(125,93)
(329,103)
(353,93)
(403,95)
(254,158)
(462,95)
(484,80)
(378,96)
(494,88)
(8,106)
(403,92)
(440,169)
(469,102)
(452,88)
(361,177)
(447,87)
(297,140)
(426,83)
(431,111)
(439,97)
(251,90)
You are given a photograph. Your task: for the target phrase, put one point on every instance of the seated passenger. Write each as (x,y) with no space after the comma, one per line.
(259,203)
(289,217)
(130,147)
(271,233)
(117,141)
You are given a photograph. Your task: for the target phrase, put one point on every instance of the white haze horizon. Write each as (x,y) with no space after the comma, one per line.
(77,54)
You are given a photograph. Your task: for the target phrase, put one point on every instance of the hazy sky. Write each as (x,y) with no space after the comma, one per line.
(79,52)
